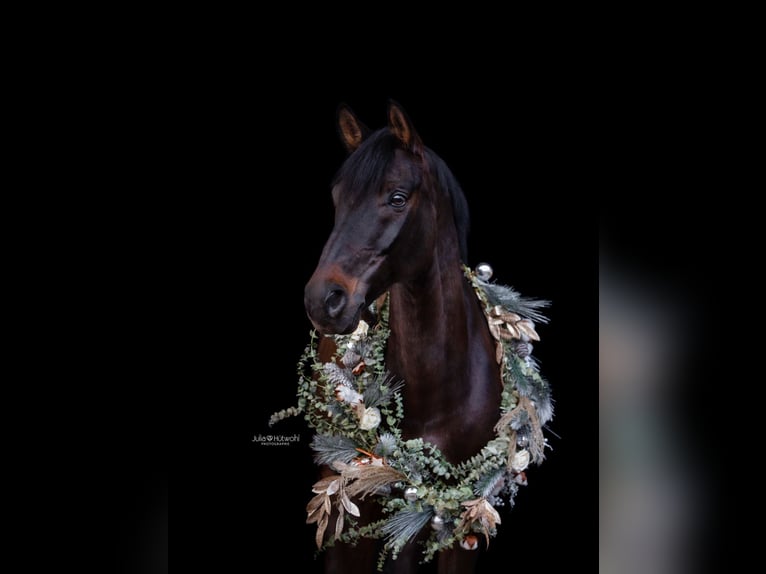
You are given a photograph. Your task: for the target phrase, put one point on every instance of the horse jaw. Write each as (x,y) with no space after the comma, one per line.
(332,327)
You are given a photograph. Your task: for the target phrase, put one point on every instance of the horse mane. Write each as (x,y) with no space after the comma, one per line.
(367,166)
(448,182)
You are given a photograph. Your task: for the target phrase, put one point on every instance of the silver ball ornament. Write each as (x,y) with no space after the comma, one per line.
(522,441)
(411,494)
(484,271)
(437,522)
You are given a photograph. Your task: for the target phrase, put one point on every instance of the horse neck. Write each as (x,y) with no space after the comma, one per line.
(440,345)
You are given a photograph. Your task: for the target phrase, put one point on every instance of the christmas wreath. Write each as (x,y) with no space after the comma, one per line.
(355,406)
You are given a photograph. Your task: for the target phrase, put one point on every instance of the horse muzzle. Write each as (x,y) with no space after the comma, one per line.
(331,307)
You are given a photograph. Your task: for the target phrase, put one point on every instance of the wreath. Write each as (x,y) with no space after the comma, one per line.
(355,406)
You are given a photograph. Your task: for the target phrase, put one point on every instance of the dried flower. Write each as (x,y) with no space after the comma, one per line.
(481,511)
(370,419)
(347,395)
(520,460)
(359,333)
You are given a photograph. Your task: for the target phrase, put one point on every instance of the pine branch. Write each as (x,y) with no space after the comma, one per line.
(386,445)
(510,299)
(487,484)
(520,380)
(544,402)
(404,525)
(331,448)
(381,390)
(530,384)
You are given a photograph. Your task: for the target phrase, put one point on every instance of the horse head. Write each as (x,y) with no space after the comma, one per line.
(387,220)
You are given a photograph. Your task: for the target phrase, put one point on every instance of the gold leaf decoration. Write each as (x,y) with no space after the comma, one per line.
(528,328)
(355,480)
(506,326)
(320,507)
(350,507)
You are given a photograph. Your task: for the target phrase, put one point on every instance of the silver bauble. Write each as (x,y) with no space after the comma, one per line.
(437,522)
(484,271)
(411,493)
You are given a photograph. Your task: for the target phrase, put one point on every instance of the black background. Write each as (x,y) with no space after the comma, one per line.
(212,208)
(270,216)
(225,211)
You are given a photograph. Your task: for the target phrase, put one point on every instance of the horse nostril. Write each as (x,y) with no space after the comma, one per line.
(334,302)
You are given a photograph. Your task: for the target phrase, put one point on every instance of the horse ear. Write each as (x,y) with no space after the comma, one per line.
(401,127)
(352,131)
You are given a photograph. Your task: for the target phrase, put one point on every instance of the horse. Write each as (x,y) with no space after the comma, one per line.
(401,224)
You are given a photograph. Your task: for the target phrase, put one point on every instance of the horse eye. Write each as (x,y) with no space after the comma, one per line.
(397,199)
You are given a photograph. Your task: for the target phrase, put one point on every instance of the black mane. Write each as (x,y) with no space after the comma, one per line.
(367,166)
(449,183)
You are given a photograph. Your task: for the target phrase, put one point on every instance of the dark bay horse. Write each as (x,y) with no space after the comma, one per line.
(401,222)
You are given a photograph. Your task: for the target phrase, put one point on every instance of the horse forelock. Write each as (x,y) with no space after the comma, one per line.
(364,171)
